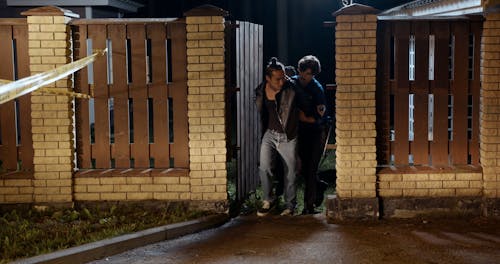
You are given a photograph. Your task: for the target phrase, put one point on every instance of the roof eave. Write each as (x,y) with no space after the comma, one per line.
(436,8)
(125,5)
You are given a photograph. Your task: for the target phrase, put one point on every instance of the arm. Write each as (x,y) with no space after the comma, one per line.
(320,99)
(306,119)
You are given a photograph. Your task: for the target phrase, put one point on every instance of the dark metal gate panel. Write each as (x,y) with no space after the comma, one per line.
(249,72)
(428,92)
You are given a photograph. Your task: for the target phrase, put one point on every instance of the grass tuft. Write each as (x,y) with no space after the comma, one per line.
(30,232)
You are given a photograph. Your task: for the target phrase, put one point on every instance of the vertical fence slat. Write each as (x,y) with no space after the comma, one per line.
(255,132)
(139,94)
(383,92)
(178,92)
(251,112)
(248,83)
(439,145)
(159,92)
(244,96)
(401,146)
(101,148)
(420,89)
(82,106)
(241,102)
(258,126)
(459,89)
(8,149)
(475,85)
(20,33)
(119,92)
(230,86)
(238,40)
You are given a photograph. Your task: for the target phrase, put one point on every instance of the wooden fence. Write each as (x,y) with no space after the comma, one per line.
(16,143)
(428,92)
(138,116)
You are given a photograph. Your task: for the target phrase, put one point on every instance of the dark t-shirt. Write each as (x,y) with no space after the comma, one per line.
(273,122)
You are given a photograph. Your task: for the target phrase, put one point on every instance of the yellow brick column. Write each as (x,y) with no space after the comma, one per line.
(206,103)
(355,55)
(490,112)
(52,125)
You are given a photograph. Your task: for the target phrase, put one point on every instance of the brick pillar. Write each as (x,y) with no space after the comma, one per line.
(355,55)
(52,124)
(206,105)
(490,111)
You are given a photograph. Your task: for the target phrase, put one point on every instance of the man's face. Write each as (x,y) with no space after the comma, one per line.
(276,80)
(305,77)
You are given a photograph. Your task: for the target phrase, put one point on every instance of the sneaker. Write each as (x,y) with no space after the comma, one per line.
(264,210)
(287,212)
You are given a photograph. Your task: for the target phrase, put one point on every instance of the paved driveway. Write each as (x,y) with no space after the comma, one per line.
(310,239)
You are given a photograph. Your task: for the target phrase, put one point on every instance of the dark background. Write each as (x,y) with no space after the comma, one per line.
(292,28)
(304,31)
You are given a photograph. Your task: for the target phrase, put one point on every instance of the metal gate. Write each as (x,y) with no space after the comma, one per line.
(246,60)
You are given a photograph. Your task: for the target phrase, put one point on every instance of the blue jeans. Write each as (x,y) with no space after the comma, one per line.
(274,144)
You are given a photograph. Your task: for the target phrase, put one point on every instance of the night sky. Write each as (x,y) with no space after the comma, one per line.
(305,33)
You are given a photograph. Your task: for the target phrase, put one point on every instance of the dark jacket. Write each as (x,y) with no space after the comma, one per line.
(313,95)
(288,101)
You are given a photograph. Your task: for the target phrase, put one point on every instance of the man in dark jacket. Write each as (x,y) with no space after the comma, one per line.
(277,102)
(312,133)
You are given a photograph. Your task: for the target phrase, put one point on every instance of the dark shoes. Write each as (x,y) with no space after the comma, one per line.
(310,211)
(320,192)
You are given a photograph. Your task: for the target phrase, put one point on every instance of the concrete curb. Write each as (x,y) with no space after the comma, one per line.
(107,247)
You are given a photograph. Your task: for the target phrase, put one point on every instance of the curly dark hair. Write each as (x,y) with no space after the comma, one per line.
(310,62)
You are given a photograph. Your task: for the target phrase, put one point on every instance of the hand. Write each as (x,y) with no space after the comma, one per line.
(324,121)
(321,109)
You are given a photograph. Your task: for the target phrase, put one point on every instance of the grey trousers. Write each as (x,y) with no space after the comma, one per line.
(276,145)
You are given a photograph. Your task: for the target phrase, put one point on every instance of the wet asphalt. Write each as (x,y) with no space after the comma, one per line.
(311,239)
